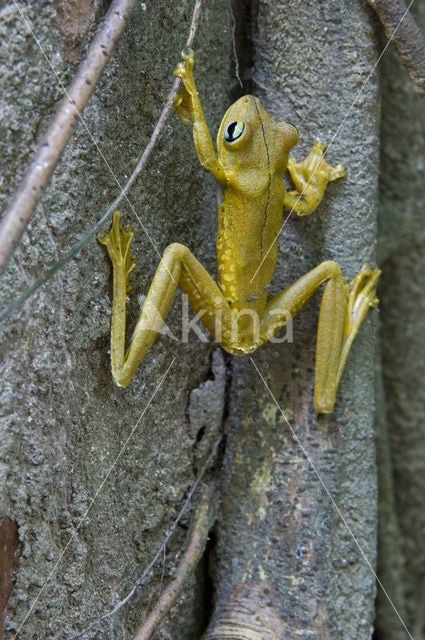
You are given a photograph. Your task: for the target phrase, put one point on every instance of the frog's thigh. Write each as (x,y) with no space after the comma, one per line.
(178,265)
(207,299)
(285,305)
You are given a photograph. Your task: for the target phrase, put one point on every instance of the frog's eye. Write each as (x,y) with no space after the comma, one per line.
(234,131)
(293,126)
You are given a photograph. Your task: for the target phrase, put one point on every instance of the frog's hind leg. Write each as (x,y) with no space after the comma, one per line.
(342,311)
(177,266)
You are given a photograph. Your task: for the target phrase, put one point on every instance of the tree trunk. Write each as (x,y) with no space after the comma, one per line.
(294,547)
(401,443)
(297,532)
(65,425)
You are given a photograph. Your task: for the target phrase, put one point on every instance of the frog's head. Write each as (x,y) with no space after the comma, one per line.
(249,137)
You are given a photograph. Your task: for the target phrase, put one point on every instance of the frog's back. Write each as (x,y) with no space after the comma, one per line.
(253,149)
(248,224)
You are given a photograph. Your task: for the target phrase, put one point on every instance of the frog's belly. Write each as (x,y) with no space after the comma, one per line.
(240,349)
(247,306)
(244,282)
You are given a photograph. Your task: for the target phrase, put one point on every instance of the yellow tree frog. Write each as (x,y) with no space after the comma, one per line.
(252,155)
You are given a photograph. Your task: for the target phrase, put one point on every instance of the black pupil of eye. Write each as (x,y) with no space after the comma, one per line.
(232,129)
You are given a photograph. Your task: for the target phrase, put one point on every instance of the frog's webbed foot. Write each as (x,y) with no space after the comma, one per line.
(361,297)
(314,169)
(310,177)
(336,172)
(183,102)
(118,242)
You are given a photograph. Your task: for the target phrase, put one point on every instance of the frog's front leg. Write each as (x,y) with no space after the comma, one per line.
(189,110)
(310,177)
(177,266)
(342,311)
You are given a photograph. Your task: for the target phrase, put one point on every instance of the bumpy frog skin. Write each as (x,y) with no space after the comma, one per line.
(252,155)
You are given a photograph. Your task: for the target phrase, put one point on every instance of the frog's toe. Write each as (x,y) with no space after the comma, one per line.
(108,238)
(339,171)
(362,289)
(188,56)
(180,70)
(178,101)
(181,104)
(118,242)
(319,145)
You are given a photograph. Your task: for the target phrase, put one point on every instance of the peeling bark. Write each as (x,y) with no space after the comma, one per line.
(8,545)
(74,19)
(405,35)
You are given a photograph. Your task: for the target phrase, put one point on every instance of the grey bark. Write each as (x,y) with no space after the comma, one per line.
(280,542)
(63,421)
